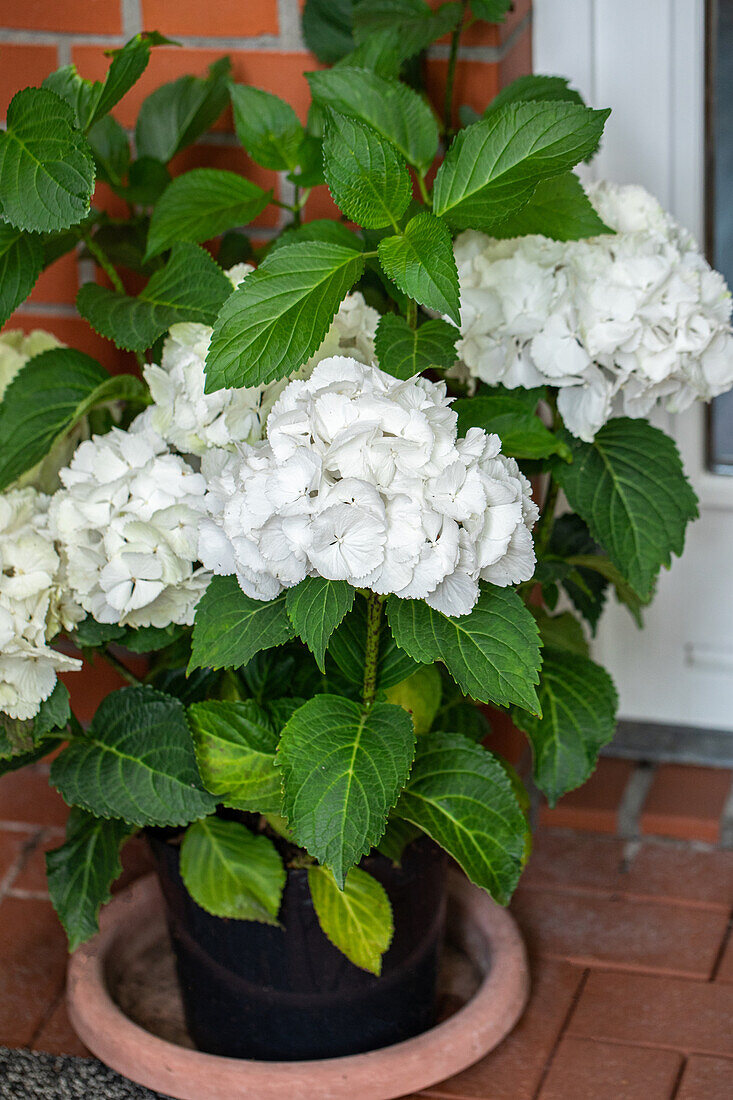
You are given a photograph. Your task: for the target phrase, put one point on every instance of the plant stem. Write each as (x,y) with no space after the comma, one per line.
(412,313)
(104,262)
(296,205)
(122,669)
(544,526)
(452,59)
(371,655)
(423,189)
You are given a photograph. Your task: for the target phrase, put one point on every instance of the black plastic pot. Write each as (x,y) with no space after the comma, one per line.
(281,994)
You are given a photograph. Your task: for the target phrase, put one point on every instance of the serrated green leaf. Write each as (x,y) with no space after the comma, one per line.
(492,168)
(585,564)
(279,316)
(411,23)
(357,919)
(522,433)
(561,631)
(267,127)
(327,28)
(397,836)
(46,399)
(392,109)
(235,749)
(135,763)
(585,588)
(21,262)
(80,873)
(348,649)
(368,180)
(321,229)
(559,209)
(315,607)
(89,633)
(421,263)
(175,114)
(536,88)
(232,873)
(46,165)
(493,11)
(579,717)
(191,287)
(630,488)
(343,768)
(404,352)
(147,180)
(202,204)
(493,653)
(230,628)
(151,639)
(18,737)
(461,796)
(111,149)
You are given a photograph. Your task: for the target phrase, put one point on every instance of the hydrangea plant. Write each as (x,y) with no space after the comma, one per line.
(311,504)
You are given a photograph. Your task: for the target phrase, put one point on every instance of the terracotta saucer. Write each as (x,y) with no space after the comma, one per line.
(485,989)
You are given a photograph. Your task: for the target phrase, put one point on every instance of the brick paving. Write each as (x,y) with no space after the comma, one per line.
(629,939)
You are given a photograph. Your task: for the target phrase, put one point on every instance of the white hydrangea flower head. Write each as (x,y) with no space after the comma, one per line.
(620,322)
(127,519)
(193,421)
(362,478)
(34,604)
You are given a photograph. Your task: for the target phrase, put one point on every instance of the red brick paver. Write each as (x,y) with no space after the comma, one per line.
(607,1071)
(594,806)
(706,1079)
(686,802)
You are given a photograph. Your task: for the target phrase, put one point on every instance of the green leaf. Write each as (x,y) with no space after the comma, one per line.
(559,208)
(584,564)
(585,588)
(348,649)
(202,204)
(15,763)
(136,762)
(392,109)
(321,229)
(80,873)
(535,88)
(315,607)
(461,796)
(343,766)
(21,262)
(561,631)
(579,717)
(89,633)
(493,166)
(18,737)
(46,399)
(493,653)
(522,433)
(46,165)
(232,873)
(629,487)
(111,149)
(191,287)
(397,836)
(357,919)
(412,23)
(404,352)
(279,316)
(421,262)
(231,627)
(175,114)
(267,127)
(493,11)
(148,179)
(235,749)
(327,28)
(368,180)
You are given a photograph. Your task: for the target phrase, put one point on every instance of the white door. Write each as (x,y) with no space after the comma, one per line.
(646,60)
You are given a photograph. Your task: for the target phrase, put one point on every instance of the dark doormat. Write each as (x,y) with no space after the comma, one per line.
(25,1075)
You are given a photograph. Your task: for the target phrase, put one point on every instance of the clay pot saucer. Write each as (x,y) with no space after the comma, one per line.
(130,964)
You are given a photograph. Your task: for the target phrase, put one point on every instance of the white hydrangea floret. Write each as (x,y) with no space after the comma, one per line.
(618,323)
(362,478)
(127,518)
(34,604)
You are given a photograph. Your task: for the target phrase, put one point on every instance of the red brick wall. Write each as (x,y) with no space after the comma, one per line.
(263,39)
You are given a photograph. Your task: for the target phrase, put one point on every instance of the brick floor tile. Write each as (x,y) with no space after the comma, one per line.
(57,1036)
(643,1010)
(680,874)
(618,932)
(513,1071)
(585,1070)
(13,843)
(706,1079)
(686,802)
(594,806)
(577,861)
(724,972)
(27,797)
(137,860)
(32,967)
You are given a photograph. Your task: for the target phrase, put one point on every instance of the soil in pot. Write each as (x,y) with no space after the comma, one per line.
(286,993)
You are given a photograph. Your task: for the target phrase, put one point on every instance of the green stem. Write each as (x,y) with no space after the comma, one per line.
(104,262)
(124,672)
(452,59)
(371,655)
(544,526)
(423,189)
(412,313)
(296,206)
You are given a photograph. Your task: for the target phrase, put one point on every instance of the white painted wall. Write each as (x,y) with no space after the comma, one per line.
(645,59)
